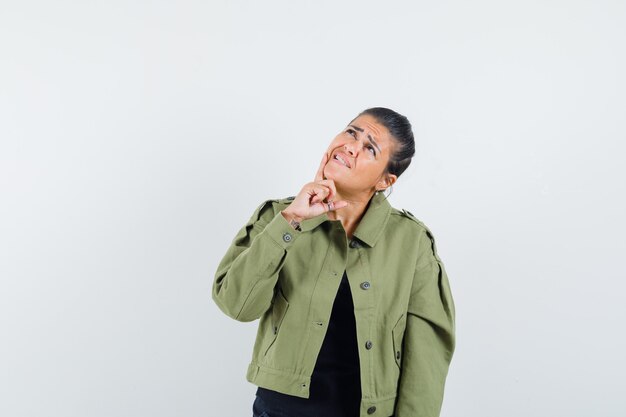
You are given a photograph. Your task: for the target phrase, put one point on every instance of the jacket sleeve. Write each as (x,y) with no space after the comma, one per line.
(247,274)
(429,338)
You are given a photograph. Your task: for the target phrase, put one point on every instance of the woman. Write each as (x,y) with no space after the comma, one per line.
(356,313)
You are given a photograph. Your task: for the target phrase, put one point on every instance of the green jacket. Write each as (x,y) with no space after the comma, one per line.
(403,305)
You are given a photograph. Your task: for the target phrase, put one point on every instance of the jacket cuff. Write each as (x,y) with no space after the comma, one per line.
(281,232)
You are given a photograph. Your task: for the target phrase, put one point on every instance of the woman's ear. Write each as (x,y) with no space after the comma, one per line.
(387,181)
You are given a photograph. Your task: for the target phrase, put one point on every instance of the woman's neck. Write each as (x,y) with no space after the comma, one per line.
(351,215)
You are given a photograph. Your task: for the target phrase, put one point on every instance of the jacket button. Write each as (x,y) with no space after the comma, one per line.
(398,355)
(275,329)
(371,410)
(368,344)
(287,237)
(365,285)
(354,244)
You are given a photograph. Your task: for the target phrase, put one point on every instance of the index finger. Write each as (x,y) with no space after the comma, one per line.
(320,171)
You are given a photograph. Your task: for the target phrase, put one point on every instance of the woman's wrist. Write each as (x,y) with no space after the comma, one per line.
(293,220)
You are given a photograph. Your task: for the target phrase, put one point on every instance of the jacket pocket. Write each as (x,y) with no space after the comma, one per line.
(279,309)
(398,334)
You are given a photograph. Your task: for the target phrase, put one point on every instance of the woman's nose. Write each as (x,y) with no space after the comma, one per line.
(350,148)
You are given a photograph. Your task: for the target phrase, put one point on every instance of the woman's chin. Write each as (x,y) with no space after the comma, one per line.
(340,181)
(335,176)
(335,171)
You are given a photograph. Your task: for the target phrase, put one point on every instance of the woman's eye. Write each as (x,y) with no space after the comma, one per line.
(353,133)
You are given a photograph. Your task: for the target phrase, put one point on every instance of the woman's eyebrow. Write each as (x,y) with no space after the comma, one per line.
(368,136)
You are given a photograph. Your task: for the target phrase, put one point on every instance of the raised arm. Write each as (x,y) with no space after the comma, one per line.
(246,276)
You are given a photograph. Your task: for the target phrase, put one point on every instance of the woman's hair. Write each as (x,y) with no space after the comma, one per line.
(400,128)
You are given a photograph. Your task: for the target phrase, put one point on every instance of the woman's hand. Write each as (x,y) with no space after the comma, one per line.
(310,201)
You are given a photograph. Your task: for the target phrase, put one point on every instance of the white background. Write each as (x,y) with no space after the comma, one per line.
(136,138)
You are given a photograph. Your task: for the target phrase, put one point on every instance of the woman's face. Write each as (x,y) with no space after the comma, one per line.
(365,145)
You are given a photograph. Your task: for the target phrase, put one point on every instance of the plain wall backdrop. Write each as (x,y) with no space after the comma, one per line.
(136,138)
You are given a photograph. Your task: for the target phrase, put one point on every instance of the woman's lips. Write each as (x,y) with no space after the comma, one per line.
(340,163)
(343,163)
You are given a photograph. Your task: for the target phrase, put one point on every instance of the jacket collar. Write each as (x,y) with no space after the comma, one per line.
(371,225)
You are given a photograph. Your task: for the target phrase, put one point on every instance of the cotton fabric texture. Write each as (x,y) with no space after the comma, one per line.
(403,305)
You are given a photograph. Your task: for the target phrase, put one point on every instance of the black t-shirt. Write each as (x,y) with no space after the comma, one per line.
(335,389)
